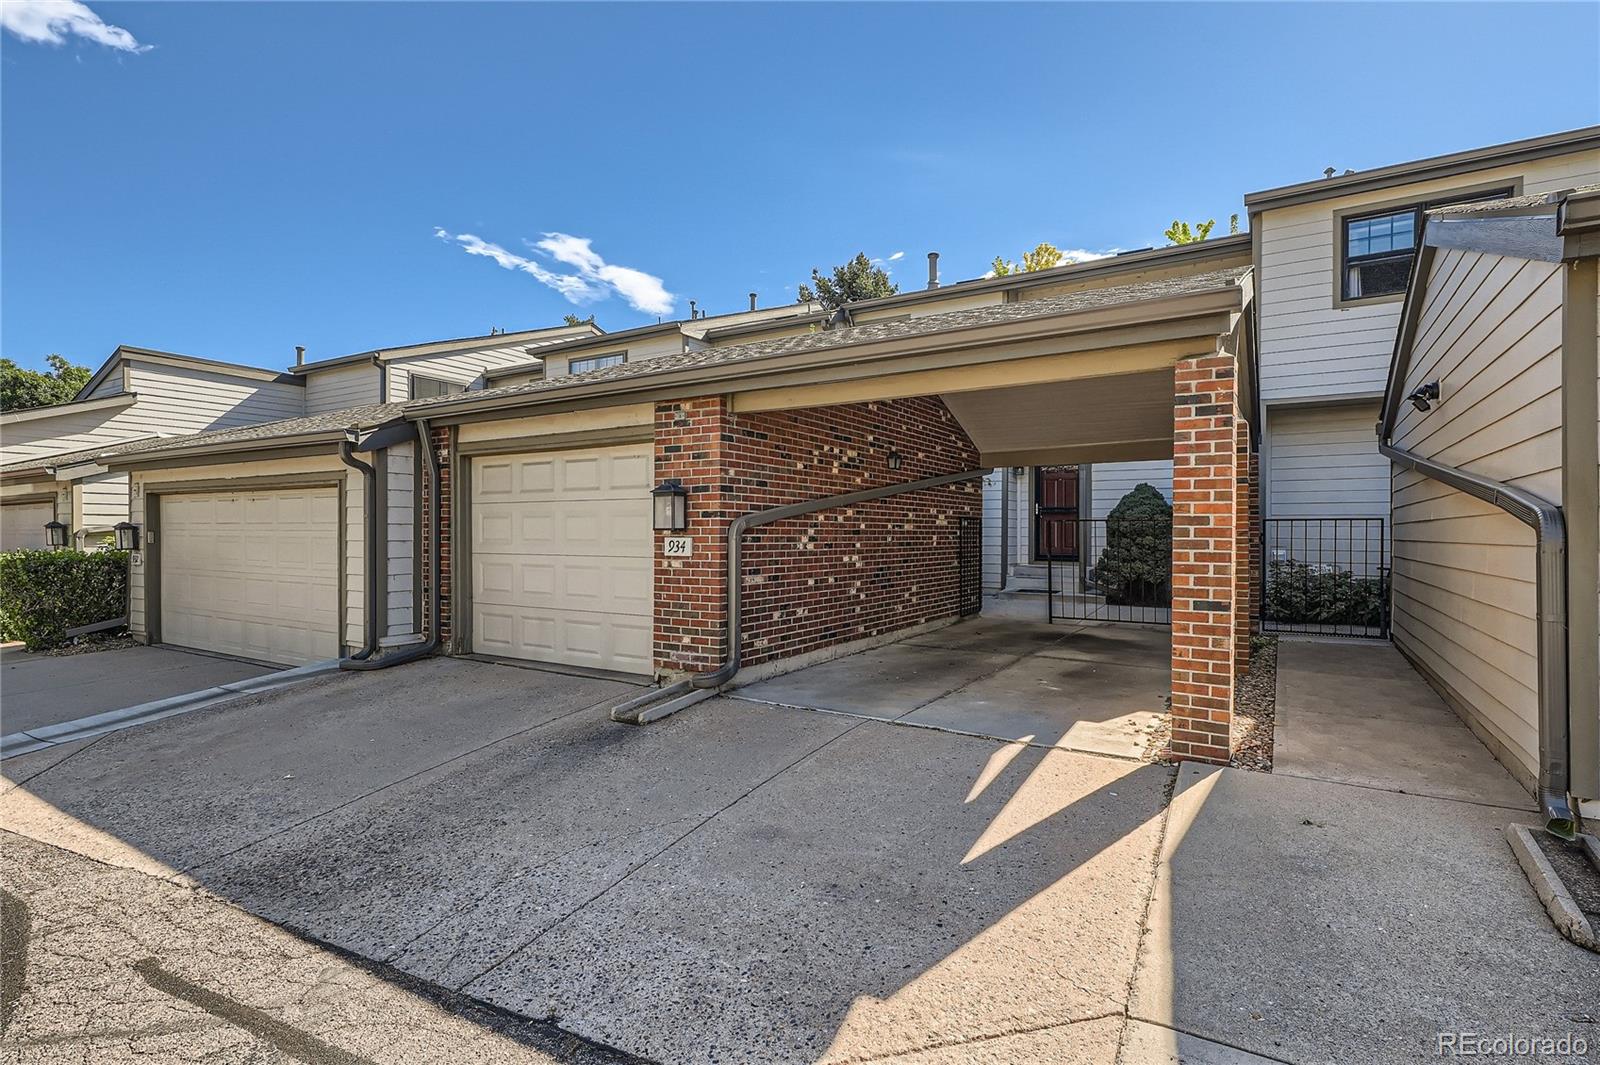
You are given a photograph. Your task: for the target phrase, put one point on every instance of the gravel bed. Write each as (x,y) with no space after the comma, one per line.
(85,645)
(1255,707)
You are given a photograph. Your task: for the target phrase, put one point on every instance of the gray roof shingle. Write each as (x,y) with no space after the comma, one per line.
(754,352)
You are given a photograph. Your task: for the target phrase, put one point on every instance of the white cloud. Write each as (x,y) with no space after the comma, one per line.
(1081,255)
(897,255)
(53,21)
(594,280)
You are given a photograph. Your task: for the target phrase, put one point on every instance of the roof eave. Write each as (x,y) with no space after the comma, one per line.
(1195,305)
(76,406)
(1439,166)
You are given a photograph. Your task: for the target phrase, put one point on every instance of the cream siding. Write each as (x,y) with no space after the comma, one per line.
(459,367)
(101,502)
(1312,348)
(339,387)
(175,400)
(67,431)
(653,347)
(1464,571)
(1324,462)
(400,563)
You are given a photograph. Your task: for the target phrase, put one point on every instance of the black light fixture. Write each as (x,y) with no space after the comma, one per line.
(127,536)
(670,502)
(1425,396)
(55,534)
(894,460)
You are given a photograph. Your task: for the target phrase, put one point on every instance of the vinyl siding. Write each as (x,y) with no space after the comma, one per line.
(555,364)
(67,431)
(102,501)
(339,387)
(1324,462)
(459,367)
(1110,481)
(1464,571)
(1310,348)
(400,556)
(176,400)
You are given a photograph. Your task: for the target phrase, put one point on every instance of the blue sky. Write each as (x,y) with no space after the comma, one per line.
(233,179)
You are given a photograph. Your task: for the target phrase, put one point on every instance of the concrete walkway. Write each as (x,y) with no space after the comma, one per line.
(1355,712)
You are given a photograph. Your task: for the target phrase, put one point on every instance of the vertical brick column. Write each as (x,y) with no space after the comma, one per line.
(437,495)
(1205,518)
(694,441)
(1243,577)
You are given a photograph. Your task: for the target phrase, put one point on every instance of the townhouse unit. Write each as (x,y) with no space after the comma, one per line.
(697,501)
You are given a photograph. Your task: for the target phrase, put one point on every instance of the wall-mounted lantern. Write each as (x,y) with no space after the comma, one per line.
(670,501)
(894,460)
(127,536)
(55,534)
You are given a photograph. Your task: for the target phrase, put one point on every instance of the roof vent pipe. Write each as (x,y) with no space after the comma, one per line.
(299,354)
(1327,172)
(752,301)
(933,269)
(692,314)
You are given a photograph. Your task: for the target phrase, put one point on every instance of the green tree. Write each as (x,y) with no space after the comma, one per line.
(1042,257)
(1183,233)
(21,388)
(856,280)
(572,319)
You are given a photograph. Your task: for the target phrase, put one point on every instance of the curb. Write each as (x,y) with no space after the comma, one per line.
(93,725)
(1558,903)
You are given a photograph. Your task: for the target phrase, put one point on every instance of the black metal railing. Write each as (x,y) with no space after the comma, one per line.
(969,566)
(1123,572)
(1325,576)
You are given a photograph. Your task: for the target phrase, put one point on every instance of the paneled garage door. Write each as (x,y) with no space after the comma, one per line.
(562,557)
(22,525)
(254,574)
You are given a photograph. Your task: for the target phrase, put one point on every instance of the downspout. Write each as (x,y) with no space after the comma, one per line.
(651,705)
(1550,545)
(369,495)
(435,569)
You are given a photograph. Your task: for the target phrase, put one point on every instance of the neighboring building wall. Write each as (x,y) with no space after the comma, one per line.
(1324,462)
(339,387)
(1464,571)
(1310,345)
(824,579)
(174,400)
(652,347)
(459,367)
(70,430)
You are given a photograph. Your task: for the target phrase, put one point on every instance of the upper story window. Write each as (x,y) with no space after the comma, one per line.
(428,387)
(595,362)
(1379,248)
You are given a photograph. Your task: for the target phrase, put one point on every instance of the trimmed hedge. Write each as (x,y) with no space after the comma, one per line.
(45,593)
(1311,593)
(1136,566)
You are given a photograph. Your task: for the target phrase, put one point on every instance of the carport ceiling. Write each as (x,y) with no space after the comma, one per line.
(1115,418)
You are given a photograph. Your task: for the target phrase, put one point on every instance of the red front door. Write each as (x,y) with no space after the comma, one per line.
(1055,512)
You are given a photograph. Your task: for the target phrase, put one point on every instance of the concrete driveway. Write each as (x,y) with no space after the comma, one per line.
(42,690)
(751,882)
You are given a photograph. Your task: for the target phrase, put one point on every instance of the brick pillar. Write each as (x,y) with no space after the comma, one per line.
(1243,578)
(437,495)
(694,439)
(1204,551)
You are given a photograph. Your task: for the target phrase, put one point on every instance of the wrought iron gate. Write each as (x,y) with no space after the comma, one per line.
(1325,576)
(969,563)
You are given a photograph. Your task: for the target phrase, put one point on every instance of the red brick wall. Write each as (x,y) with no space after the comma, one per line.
(826,578)
(437,495)
(1205,548)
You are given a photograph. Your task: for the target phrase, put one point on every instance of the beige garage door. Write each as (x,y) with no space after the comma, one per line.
(561,557)
(22,525)
(254,574)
